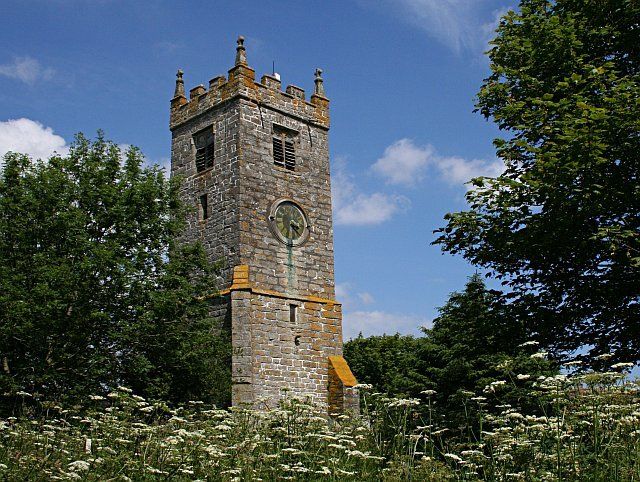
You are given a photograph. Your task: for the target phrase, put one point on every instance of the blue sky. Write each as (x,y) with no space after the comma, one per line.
(401,76)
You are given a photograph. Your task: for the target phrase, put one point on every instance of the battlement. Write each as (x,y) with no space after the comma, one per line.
(241,83)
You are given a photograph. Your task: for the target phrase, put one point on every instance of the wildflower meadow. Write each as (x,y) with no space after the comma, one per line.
(586,427)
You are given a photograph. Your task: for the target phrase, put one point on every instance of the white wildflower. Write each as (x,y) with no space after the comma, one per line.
(337,446)
(79,466)
(404,402)
(523,376)
(345,472)
(453,457)
(153,470)
(529,343)
(540,355)
(363,386)
(604,356)
(469,453)
(72,475)
(573,363)
(622,365)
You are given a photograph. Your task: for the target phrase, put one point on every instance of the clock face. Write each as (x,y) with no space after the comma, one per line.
(288,222)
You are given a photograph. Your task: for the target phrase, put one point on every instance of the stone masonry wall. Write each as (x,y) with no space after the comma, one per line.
(220,233)
(285,355)
(264,277)
(304,269)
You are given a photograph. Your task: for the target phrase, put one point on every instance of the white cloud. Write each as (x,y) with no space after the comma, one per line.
(342,291)
(352,207)
(164,163)
(488,29)
(26,69)
(461,25)
(365,298)
(30,137)
(371,323)
(457,171)
(344,294)
(403,162)
(449,21)
(406,163)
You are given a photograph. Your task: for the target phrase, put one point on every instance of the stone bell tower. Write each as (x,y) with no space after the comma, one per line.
(255,167)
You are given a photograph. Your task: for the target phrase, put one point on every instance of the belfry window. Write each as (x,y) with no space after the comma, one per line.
(284,152)
(204,142)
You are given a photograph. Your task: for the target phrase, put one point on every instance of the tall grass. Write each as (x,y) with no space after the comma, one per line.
(587,428)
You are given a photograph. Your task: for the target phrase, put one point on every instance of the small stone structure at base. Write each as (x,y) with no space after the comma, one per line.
(343,397)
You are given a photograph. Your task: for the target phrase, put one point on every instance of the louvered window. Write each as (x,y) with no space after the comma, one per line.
(204,141)
(278,151)
(284,153)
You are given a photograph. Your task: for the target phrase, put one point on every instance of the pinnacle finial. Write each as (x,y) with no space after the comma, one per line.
(319,83)
(179,84)
(241,52)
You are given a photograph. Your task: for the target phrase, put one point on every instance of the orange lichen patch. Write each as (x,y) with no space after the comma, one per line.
(342,370)
(240,279)
(241,273)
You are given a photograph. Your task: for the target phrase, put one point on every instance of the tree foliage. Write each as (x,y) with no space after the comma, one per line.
(94,291)
(389,363)
(560,226)
(474,342)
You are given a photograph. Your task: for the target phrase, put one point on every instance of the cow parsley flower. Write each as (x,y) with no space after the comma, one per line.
(453,457)
(79,466)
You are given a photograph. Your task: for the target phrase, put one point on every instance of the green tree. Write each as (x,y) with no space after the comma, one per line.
(560,226)
(474,342)
(389,363)
(94,290)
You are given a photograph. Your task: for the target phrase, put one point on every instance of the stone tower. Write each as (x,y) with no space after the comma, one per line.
(255,167)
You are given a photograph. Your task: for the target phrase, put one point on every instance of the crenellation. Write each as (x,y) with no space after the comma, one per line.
(216,85)
(271,82)
(196,92)
(241,83)
(296,92)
